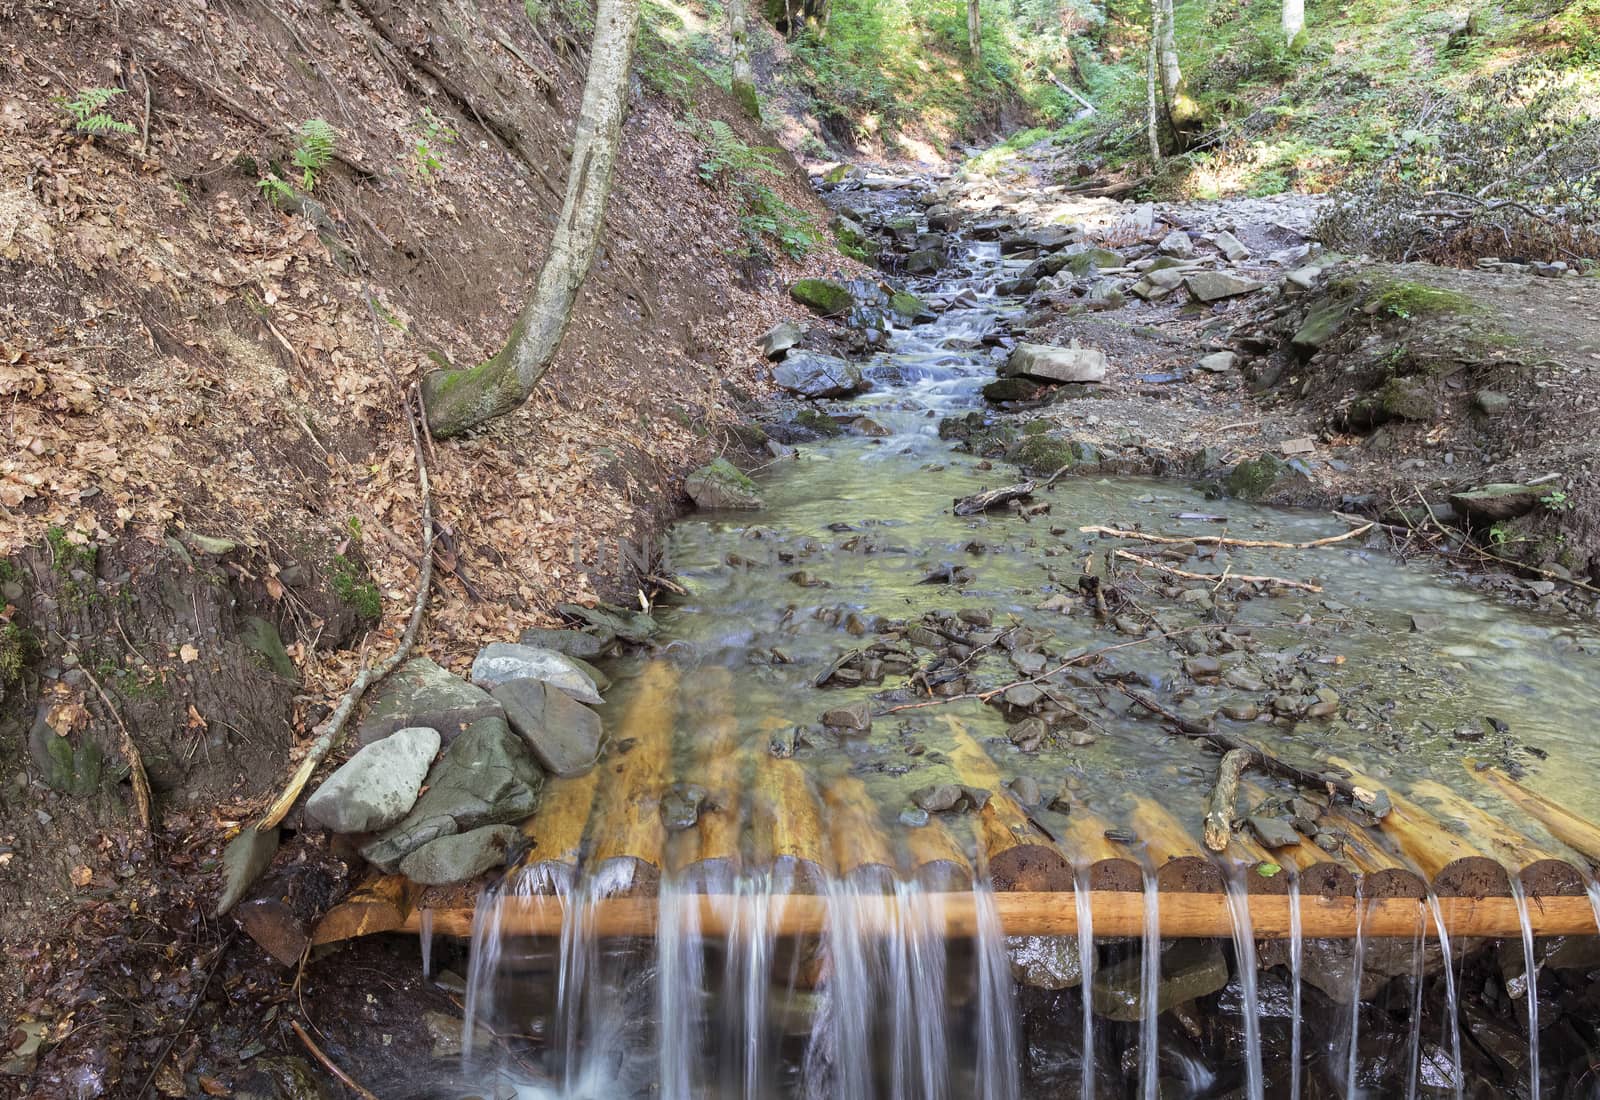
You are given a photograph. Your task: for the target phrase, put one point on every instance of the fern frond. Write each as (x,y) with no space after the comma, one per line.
(314,150)
(86,110)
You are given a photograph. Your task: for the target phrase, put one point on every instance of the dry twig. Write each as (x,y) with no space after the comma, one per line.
(329,1064)
(1219,810)
(1218,578)
(1223,540)
(136,772)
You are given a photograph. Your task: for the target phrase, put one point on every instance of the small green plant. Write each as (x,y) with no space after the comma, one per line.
(275,191)
(18,646)
(87,111)
(313,150)
(742,170)
(1557,501)
(355,588)
(433,133)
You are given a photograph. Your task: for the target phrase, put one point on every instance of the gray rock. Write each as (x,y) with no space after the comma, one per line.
(1303,278)
(243,860)
(1218,362)
(1045,962)
(1177,243)
(574,643)
(1165,278)
(420,693)
(721,484)
(499,662)
(1274,832)
(813,375)
(1025,789)
(462,856)
(1212,286)
(1491,402)
(1230,246)
(620,622)
(1189,969)
(378,785)
(263,638)
(680,806)
(938,798)
(487,776)
(856,717)
(1057,364)
(924,261)
(1499,501)
(780,338)
(563,733)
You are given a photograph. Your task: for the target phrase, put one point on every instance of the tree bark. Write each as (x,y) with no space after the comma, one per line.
(974,30)
(1150,81)
(1171,71)
(458,400)
(1294,19)
(744,75)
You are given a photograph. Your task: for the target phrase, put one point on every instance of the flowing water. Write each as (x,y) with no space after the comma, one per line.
(1452,1002)
(858,532)
(1531,987)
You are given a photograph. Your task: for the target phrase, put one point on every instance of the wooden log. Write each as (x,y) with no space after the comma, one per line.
(1180,862)
(934,858)
(556,833)
(626,834)
(861,852)
(786,833)
(1318,872)
(1015,853)
(382,903)
(1220,807)
(1575,832)
(1108,866)
(1541,869)
(1117,913)
(707,856)
(1383,872)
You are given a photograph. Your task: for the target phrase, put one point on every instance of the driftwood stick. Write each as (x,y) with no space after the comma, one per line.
(1226,742)
(1223,540)
(1218,578)
(136,772)
(1219,811)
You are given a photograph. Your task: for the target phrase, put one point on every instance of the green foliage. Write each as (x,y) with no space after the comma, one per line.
(18,647)
(314,144)
(86,111)
(67,560)
(1406,300)
(275,191)
(432,134)
(1557,500)
(355,588)
(742,171)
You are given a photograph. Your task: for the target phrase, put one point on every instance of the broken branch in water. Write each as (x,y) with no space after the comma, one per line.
(993,498)
(1219,810)
(1223,540)
(1219,578)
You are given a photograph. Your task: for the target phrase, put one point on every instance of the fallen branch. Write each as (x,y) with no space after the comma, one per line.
(1223,540)
(1219,810)
(994,498)
(130,751)
(330,732)
(1226,742)
(329,1064)
(1219,578)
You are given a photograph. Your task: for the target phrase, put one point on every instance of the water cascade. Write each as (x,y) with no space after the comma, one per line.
(1531,983)
(1086,961)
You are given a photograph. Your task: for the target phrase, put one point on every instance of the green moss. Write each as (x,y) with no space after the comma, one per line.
(1042,453)
(823,296)
(1405,400)
(819,422)
(1256,478)
(355,588)
(18,647)
(908,305)
(1406,300)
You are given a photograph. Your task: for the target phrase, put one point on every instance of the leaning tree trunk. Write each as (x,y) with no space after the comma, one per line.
(1150,82)
(744,75)
(1171,71)
(974,30)
(1294,19)
(461,399)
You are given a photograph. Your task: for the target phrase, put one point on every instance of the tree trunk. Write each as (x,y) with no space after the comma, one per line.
(1294,19)
(1150,81)
(461,399)
(974,31)
(1171,72)
(744,76)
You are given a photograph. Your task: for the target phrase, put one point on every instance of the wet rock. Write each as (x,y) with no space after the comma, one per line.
(582,644)
(621,622)
(1023,696)
(378,785)
(1189,969)
(420,693)
(1045,962)
(857,717)
(446,1029)
(487,776)
(1057,364)
(913,818)
(1203,668)
(1028,734)
(1213,286)
(272,924)
(461,856)
(867,426)
(924,261)
(1025,789)
(813,375)
(278,1079)
(1264,477)
(721,484)
(1015,388)
(563,733)
(1274,832)
(1177,244)
(681,804)
(909,308)
(822,296)
(780,338)
(1500,501)
(937,799)
(500,662)
(1218,362)
(1240,712)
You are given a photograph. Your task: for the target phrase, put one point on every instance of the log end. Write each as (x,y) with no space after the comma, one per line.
(1032,868)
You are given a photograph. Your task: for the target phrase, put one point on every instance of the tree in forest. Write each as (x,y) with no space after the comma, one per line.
(1294,19)
(974,31)
(744,77)
(458,400)
(1152,65)
(1183,113)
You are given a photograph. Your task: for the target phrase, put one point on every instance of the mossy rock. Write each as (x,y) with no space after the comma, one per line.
(1015,388)
(818,422)
(1402,399)
(721,484)
(1260,478)
(1405,300)
(1323,322)
(909,307)
(262,638)
(837,174)
(1043,453)
(1098,259)
(823,296)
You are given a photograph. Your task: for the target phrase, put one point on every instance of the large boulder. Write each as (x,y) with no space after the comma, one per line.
(487,776)
(1057,364)
(780,338)
(501,661)
(1492,503)
(378,785)
(1265,477)
(720,484)
(823,296)
(462,856)
(924,261)
(420,693)
(563,733)
(1213,286)
(1177,244)
(814,375)
(580,644)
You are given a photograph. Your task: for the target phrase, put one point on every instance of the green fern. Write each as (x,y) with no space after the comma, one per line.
(86,111)
(742,169)
(274,190)
(314,150)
